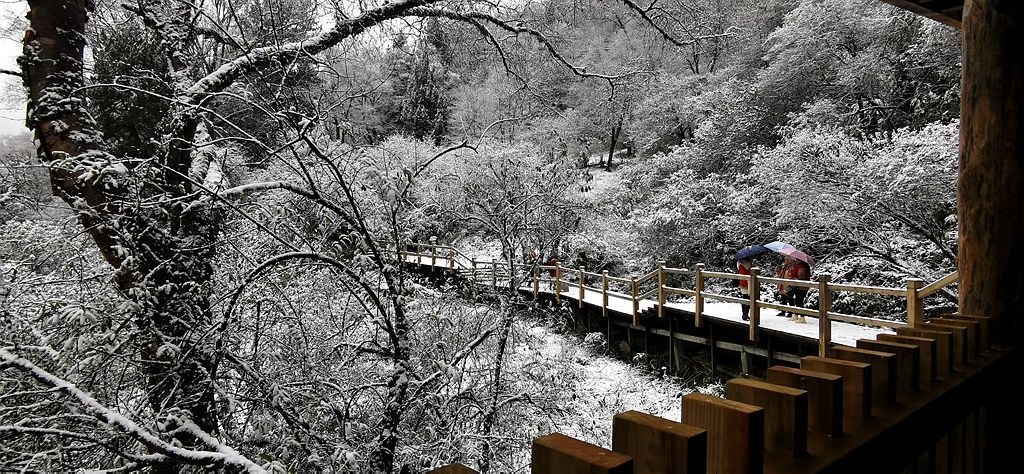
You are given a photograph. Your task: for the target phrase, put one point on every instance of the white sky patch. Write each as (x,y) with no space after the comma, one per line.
(12,104)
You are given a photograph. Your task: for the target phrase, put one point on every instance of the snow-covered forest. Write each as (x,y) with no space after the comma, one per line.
(198,229)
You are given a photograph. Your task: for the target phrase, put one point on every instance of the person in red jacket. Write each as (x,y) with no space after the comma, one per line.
(743,268)
(793,269)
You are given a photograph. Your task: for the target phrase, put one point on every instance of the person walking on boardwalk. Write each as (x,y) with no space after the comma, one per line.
(743,268)
(555,271)
(791,295)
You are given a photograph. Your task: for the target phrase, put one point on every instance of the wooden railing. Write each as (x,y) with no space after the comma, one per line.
(654,286)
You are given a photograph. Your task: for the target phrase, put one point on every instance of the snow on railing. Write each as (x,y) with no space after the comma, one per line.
(636,289)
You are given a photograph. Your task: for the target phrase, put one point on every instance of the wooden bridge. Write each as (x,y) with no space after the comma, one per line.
(907,396)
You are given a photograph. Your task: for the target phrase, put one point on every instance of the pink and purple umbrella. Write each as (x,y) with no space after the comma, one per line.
(791,251)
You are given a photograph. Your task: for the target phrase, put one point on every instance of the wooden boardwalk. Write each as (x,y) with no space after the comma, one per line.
(882,395)
(638,299)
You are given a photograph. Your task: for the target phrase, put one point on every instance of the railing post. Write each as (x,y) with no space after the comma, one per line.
(698,288)
(419,254)
(558,283)
(536,281)
(583,281)
(405,251)
(755,295)
(661,290)
(915,307)
(451,259)
(473,262)
(494,274)
(433,257)
(604,293)
(824,306)
(632,287)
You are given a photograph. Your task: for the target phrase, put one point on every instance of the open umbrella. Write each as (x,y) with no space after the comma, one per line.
(751,251)
(789,250)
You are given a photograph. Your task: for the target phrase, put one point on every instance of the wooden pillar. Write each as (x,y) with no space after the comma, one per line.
(536,281)
(473,262)
(661,289)
(698,283)
(915,307)
(824,306)
(633,291)
(755,293)
(494,274)
(583,281)
(604,294)
(558,283)
(990,190)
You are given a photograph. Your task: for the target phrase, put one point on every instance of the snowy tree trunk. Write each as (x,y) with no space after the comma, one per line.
(166,288)
(991,184)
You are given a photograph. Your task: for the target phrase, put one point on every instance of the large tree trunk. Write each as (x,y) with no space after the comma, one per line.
(168,288)
(991,200)
(991,184)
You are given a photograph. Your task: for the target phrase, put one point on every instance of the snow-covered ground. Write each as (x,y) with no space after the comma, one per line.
(600,386)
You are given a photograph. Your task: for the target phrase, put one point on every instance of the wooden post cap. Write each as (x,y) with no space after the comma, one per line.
(660,445)
(559,454)
(785,417)
(735,432)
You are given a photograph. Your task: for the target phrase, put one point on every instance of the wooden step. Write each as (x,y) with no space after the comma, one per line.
(926,349)
(735,432)
(785,413)
(559,454)
(856,383)
(658,445)
(944,349)
(883,370)
(908,362)
(824,396)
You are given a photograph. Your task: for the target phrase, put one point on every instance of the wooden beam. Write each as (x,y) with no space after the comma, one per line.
(559,454)
(943,347)
(883,371)
(785,413)
(937,15)
(985,338)
(926,349)
(735,432)
(856,383)
(660,445)
(908,362)
(974,337)
(454,469)
(824,396)
(959,347)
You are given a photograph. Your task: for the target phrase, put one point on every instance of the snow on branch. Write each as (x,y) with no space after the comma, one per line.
(475,17)
(253,60)
(223,454)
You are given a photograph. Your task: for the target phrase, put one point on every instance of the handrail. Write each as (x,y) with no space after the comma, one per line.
(786,281)
(939,284)
(877,290)
(914,292)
